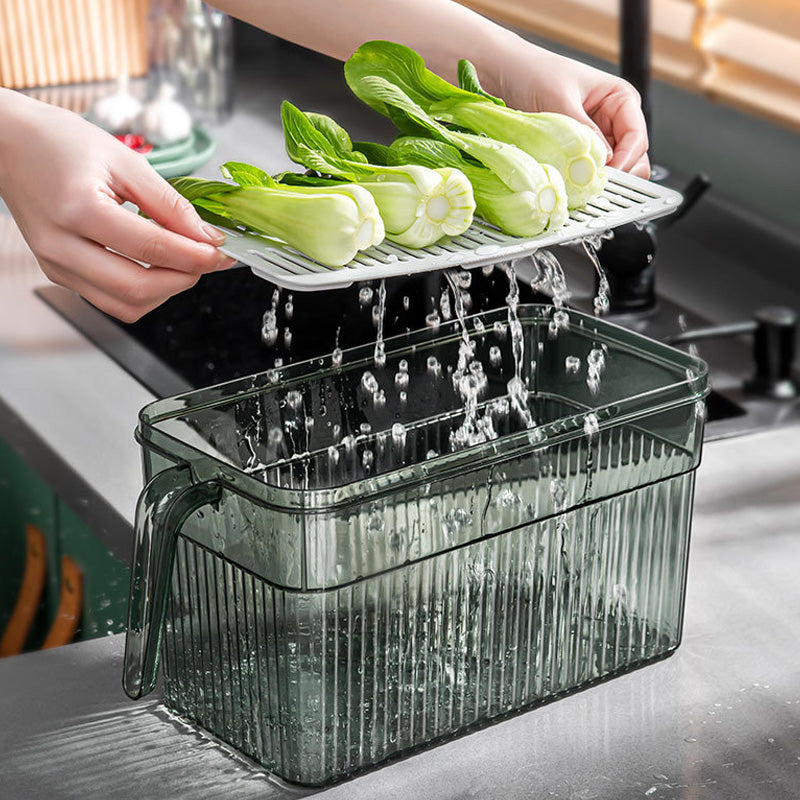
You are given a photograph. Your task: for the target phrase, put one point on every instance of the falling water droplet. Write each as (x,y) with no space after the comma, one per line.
(572,364)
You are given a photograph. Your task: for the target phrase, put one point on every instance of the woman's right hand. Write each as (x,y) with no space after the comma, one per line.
(64,181)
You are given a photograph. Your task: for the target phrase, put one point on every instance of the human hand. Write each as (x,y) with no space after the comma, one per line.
(534,79)
(64,181)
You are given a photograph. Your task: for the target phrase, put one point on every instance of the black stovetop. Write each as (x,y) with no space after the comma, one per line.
(212,332)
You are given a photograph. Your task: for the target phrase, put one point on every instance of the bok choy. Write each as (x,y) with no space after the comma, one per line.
(523,198)
(518,212)
(328,223)
(556,139)
(419,205)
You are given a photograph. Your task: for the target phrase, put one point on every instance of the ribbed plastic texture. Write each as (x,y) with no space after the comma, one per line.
(317,685)
(351,583)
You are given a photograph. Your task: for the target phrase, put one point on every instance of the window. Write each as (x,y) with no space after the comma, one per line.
(47,42)
(743,52)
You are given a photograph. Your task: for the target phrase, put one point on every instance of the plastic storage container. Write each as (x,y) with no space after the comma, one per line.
(335,587)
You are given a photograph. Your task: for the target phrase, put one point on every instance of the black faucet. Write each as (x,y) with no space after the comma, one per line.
(628,256)
(635,50)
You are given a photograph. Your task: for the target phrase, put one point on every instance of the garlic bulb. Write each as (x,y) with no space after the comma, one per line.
(165,120)
(118,112)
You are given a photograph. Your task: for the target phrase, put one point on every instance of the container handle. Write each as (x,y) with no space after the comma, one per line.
(163,506)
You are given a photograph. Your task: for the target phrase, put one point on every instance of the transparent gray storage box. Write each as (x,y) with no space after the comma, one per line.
(323,610)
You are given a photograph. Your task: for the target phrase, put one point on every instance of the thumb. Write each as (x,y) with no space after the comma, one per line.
(156,198)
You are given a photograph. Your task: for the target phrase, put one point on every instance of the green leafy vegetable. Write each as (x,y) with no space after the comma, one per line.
(526,197)
(328,223)
(520,213)
(556,139)
(419,205)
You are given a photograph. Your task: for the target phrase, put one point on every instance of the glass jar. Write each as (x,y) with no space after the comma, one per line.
(190,46)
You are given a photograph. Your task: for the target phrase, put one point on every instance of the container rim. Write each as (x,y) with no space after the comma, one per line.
(690,388)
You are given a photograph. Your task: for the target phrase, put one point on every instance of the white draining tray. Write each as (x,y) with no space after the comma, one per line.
(626,199)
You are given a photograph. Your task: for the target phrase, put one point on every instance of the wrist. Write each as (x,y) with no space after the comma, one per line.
(14,108)
(507,63)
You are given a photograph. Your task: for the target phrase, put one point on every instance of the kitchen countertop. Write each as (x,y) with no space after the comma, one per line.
(720,719)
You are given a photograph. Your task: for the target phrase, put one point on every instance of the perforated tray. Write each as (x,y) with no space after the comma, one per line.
(626,199)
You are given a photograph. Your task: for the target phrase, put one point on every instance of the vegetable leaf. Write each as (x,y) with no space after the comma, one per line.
(468,80)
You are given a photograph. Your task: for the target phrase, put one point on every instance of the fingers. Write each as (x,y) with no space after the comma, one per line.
(591,123)
(136,237)
(114,284)
(577,111)
(156,198)
(630,134)
(642,167)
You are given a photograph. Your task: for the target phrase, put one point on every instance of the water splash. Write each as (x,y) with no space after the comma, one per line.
(591,246)
(365,294)
(517,389)
(444,305)
(380,347)
(269,323)
(595,364)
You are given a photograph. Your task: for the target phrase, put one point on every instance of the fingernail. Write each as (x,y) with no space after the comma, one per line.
(214,235)
(225,262)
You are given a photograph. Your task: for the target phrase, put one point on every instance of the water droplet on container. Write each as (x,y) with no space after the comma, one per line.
(336,357)
(572,364)
(288,309)
(369,383)
(433,320)
(406,302)
(500,329)
(434,367)
(488,269)
(401,380)
(495,356)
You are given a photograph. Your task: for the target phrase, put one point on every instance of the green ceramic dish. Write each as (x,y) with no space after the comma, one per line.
(183,158)
(173,151)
